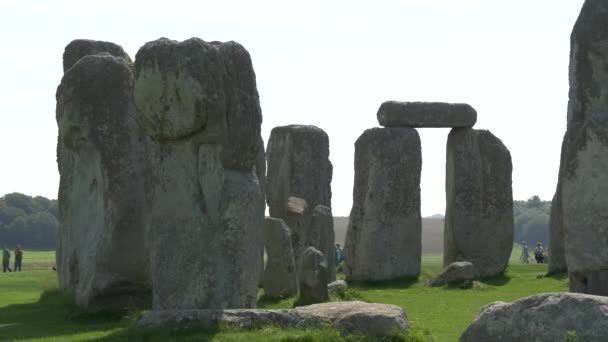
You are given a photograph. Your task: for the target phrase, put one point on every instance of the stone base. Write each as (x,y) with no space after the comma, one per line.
(348,317)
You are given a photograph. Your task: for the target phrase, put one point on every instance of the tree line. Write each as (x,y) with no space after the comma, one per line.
(28,221)
(32,221)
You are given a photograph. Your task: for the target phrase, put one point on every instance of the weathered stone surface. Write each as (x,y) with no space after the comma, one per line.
(479,201)
(79,48)
(454,273)
(200,91)
(204,205)
(298,166)
(557,253)
(101,255)
(545,317)
(584,177)
(426,114)
(348,317)
(312,277)
(383,240)
(322,236)
(260,171)
(337,286)
(280,276)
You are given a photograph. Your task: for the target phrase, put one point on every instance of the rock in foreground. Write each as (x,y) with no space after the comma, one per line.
(540,318)
(348,317)
(426,114)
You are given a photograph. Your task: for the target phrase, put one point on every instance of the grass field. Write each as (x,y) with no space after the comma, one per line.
(32,309)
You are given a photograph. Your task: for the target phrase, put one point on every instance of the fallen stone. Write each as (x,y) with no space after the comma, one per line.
(79,48)
(349,317)
(338,286)
(454,273)
(280,276)
(426,114)
(584,177)
(101,254)
(479,201)
(312,278)
(204,200)
(383,240)
(547,317)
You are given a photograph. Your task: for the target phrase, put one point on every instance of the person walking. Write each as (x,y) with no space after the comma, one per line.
(339,254)
(539,253)
(525,255)
(18,258)
(6,259)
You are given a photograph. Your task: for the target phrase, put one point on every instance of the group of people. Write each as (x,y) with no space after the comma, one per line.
(6,259)
(539,253)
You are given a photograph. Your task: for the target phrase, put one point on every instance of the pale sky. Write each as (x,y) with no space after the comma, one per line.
(325,63)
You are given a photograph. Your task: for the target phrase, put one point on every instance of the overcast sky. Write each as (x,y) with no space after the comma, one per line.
(325,63)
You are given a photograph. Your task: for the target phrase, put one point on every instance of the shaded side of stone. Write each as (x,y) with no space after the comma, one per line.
(479,201)
(101,254)
(323,237)
(557,255)
(383,240)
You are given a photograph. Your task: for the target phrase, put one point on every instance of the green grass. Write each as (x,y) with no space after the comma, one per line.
(32,309)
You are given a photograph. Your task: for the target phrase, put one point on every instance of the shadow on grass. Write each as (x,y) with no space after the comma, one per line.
(497,280)
(555,275)
(53,315)
(399,283)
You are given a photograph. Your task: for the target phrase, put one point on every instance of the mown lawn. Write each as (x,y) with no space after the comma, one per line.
(444,312)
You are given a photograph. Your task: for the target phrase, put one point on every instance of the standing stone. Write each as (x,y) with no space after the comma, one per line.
(383,240)
(584,178)
(298,166)
(79,48)
(101,254)
(260,171)
(280,277)
(204,205)
(313,277)
(322,228)
(479,201)
(557,257)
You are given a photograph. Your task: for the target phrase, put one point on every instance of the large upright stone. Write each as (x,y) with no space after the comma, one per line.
(584,178)
(280,277)
(101,252)
(298,166)
(298,181)
(383,240)
(204,205)
(79,48)
(557,254)
(426,114)
(312,277)
(322,230)
(479,201)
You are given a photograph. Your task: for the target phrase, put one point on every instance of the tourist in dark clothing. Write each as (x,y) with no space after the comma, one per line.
(6,259)
(539,253)
(18,258)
